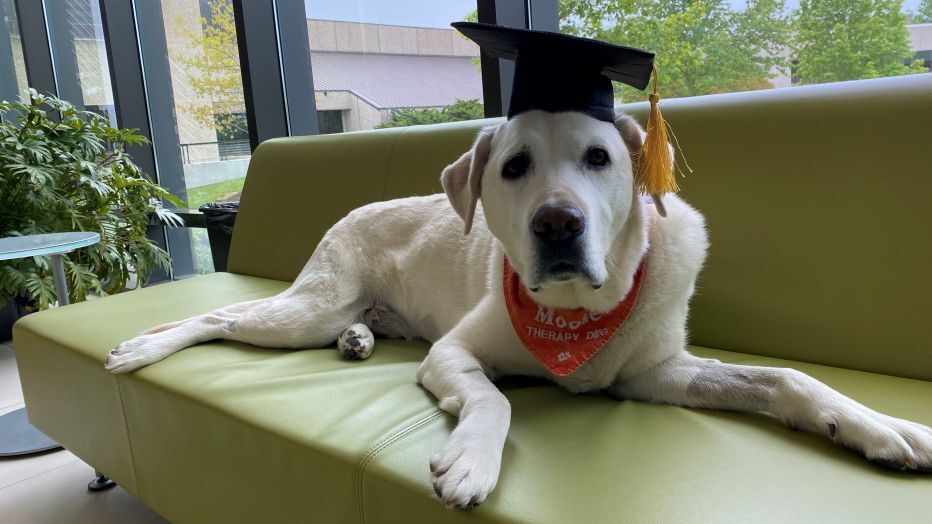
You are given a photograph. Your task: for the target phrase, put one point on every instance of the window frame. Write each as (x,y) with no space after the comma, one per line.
(276,69)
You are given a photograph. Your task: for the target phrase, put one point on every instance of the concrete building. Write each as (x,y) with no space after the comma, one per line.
(920,41)
(363,72)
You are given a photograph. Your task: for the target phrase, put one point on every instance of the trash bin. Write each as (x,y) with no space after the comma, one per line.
(219,218)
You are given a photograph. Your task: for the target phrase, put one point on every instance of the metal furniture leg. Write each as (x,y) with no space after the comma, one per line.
(100,483)
(61,284)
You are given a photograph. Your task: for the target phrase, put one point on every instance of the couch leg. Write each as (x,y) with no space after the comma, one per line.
(100,483)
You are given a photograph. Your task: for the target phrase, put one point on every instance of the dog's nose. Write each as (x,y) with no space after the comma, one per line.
(558,222)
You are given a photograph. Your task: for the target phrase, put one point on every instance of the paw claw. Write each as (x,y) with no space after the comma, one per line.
(465,471)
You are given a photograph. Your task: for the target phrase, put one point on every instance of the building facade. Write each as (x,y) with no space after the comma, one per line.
(363,72)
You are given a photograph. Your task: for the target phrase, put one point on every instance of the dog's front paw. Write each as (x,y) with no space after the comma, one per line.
(888,441)
(465,470)
(134,354)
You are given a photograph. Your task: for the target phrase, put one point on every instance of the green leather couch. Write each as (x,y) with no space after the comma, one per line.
(817,200)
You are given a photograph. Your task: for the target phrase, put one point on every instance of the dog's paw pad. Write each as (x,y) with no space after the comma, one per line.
(356,342)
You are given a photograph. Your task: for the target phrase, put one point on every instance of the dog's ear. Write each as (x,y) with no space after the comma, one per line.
(633,136)
(462,180)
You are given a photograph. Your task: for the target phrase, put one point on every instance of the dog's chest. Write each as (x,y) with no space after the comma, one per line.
(600,371)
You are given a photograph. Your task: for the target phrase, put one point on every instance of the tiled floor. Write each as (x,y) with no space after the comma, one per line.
(52,487)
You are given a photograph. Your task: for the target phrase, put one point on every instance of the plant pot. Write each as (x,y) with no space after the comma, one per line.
(13,310)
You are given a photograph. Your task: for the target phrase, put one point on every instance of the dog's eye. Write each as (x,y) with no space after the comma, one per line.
(597,157)
(516,167)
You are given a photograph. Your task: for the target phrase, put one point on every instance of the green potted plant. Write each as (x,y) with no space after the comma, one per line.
(64,169)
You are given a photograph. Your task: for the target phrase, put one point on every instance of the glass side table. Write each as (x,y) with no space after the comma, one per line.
(17,435)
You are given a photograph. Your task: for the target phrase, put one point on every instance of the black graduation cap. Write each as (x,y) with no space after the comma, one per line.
(556,72)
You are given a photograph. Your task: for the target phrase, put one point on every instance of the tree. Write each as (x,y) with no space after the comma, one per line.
(213,71)
(924,13)
(839,40)
(701,46)
(455,112)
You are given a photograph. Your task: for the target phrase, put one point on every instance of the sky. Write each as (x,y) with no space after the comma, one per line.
(419,13)
(429,13)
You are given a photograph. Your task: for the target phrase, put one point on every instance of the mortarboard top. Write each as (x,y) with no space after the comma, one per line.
(556,72)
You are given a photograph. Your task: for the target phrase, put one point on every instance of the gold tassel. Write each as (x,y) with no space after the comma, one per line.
(655,176)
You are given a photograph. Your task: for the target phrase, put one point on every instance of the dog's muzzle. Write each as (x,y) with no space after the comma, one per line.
(558,232)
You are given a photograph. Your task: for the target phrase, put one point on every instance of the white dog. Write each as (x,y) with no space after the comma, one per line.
(558,199)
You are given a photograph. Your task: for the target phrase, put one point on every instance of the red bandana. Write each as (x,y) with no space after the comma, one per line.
(563,339)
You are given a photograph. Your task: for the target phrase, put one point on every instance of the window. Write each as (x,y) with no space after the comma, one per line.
(716,46)
(383,63)
(177,76)
(79,55)
(12,65)
(330,121)
(195,43)
(926,54)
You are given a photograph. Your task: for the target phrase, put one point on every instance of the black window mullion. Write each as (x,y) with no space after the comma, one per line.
(296,64)
(544,15)
(9,89)
(64,56)
(161,158)
(36,48)
(498,75)
(261,33)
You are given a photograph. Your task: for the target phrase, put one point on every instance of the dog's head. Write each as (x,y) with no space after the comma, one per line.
(557,189)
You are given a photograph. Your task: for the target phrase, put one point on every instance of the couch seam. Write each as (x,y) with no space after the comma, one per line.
(388,165)
(129,438)
(85,356)
(377,448)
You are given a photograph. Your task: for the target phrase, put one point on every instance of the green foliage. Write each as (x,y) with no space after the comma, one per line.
(839,40)
(455,112)
(924,13)
(210,62)
(74,174)
(702,46)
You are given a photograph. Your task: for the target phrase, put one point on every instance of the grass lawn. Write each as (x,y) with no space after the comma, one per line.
(216,192)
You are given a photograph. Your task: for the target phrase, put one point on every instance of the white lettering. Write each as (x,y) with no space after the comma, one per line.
(544,315)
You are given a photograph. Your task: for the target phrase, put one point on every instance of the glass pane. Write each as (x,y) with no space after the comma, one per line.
(380,63)
(719,46)
(12,65)
(79,54)
(192,65)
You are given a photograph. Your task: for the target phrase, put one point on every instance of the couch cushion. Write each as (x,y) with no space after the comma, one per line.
(575,458)
(296,188)
(230,432)
(183,434)
(59,353)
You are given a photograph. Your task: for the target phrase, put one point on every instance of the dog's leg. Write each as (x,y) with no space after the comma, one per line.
(797,399)
(466,469)
(230,310)
(289,320)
